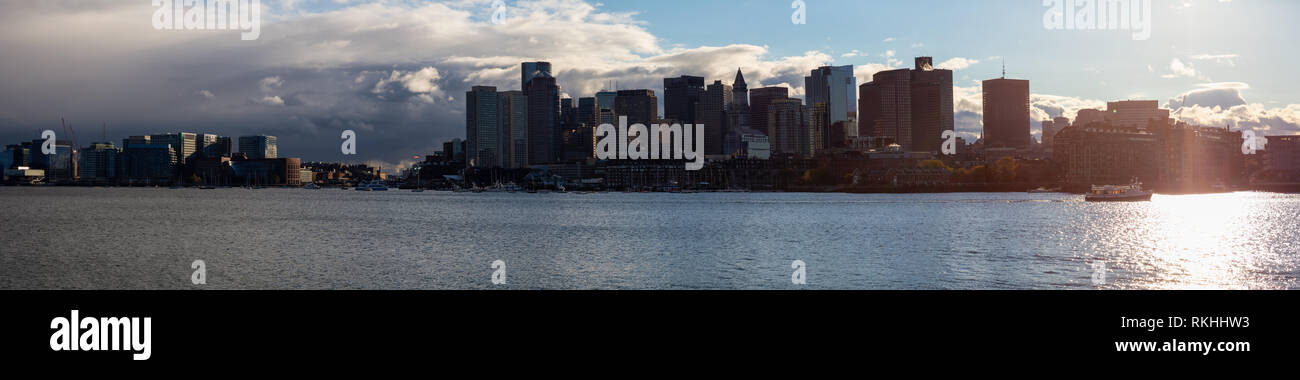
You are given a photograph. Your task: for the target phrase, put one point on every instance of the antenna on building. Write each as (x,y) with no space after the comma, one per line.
(1004,68)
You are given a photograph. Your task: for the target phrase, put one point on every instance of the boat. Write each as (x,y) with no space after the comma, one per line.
(373,185)
(311,186)
(1045,190)
(1116,193)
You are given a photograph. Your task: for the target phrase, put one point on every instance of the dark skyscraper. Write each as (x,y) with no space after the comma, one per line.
(530,70)
(885,107)
(512,113)
(912,108)
(738,114)
(568,114)
(787,127)
(931,105)
(587,112)
(713,114)
(482,127)
(759,100)
(1006,113)
(681,97)
(837,88)
(544,137)
(640,106)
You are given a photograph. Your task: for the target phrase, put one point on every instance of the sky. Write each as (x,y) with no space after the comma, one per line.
(396,72)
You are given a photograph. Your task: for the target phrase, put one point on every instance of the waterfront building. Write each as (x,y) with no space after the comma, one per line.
(1006,113)
(258,147)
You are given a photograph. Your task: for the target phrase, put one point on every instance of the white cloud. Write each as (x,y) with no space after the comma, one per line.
(1223,59)
(957,63)
(270,83)
(1180,69)
(273,101)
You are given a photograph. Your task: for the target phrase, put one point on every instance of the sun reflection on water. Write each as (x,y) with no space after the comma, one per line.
(1204,241)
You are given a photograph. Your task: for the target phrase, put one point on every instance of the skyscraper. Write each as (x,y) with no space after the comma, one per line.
(681,96)
(886,107)
(512,110)
(587,112)
(738,113)
(254,147)
(911,108)
(544,137)
(759,100)
(483,127)
(568,116)
(530,70)
(713,114)
(931,105)
(640,106)
(835,86)
(787,127)
(1006,113)
(605,107)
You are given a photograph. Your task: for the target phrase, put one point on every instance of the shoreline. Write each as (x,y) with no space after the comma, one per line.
(1280,188)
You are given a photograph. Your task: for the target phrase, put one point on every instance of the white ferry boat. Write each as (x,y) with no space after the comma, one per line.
(1116,193)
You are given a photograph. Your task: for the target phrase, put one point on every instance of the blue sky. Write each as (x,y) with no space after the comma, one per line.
(1103,65)
(395,71)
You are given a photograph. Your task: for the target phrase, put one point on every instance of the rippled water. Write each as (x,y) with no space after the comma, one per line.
(109,238)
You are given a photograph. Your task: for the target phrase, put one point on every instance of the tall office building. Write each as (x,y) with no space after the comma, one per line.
(530,70)
(910,107)
(738,113)
(932,111)
(544,133)
(759,100)
(787,127)
(640,106)
(587,112)
(184,145)
(257,147)
(885,106)
(1006,113)
(100,162)
(512,110)
(568,114)
(712,113)
(483,127)
(681,97)
(819,128)
(837,87)
(605,107)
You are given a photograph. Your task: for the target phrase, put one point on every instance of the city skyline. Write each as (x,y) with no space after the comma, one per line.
(314,73)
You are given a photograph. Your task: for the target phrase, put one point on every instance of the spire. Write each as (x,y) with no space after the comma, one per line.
(740,78)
